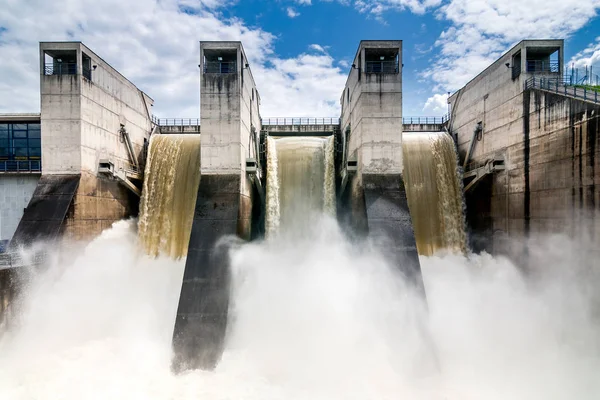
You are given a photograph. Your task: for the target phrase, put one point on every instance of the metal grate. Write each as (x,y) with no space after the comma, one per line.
(382,67)
(60,69)
(31,166)
(220,67)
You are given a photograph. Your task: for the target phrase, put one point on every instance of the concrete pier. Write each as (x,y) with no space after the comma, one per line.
(548,142)
(230,121)
(89,113)
(373,199)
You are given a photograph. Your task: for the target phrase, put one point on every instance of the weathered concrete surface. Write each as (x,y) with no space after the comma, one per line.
(230,121)
(550,147)
(202,313)
(423,127)
(372,112)
(390,224)
(166,129)
(374,202)
(81,116)
(97,204)
(300,129)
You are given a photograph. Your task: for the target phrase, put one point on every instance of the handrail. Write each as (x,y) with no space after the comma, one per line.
(220,67)
(20,166)
(381,67)
(557,86)
(60,69)
(542,66)
(425,120)
(299,121)
(176,121)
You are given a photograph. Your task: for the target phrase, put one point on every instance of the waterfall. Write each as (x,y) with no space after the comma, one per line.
(300,182)
(171,180)
(434,192)
(272,214)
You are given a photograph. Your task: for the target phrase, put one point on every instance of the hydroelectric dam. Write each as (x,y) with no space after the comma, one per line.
(234,196)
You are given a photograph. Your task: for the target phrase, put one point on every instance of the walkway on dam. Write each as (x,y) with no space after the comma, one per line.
(284,126)
(555,86)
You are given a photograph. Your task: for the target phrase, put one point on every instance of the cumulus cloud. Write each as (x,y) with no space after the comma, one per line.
(590,56)
(436,104)
(292,13)
(157,49)
(481,30)
(378,7)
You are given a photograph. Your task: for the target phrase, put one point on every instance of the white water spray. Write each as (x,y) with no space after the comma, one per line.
(272,215)
(315,318)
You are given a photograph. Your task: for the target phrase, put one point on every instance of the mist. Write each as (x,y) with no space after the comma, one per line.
(317,317)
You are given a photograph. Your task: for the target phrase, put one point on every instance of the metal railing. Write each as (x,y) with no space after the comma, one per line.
(542,66)
(60,69)
(30,166)
(87,73)
(381,67)
(176,121)
(220,67)
(557,86)
(298,121)
(425,120)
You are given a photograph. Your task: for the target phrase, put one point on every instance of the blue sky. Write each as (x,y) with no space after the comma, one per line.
(299,49)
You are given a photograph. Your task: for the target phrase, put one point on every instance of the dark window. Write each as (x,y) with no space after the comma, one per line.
(20,147)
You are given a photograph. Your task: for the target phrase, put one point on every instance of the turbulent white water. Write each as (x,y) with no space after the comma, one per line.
(312,318)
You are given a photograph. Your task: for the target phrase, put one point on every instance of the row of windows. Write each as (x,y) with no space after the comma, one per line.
(20,141)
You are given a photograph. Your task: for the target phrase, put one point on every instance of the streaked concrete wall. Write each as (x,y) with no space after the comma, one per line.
(372,107)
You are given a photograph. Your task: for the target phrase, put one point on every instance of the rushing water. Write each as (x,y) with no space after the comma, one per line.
(434,192)
(312,318)
(300,182)
(168,198)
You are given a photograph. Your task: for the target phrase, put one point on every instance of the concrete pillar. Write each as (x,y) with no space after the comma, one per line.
(230,120)
(84,103)
(371,123)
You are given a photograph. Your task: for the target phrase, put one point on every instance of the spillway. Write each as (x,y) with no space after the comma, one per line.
(300,182)
(434,192)
(169,194)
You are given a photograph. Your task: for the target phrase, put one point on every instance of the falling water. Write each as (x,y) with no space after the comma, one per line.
(304,170)
(434,192)
(272,214)
(168,198)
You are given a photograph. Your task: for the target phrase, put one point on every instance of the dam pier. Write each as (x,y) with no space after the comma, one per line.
(516,156)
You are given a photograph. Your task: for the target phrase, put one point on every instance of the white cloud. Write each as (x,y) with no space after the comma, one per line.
(157,49)
(304,2)
(590,56)
(318,48)
(436,104)
(483,29)
(292,13)
(308,85)
(378,7)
